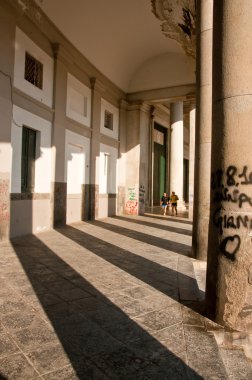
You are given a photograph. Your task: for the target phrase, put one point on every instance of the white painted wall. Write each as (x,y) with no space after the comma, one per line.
(78,104)
(77,145)
(105,161)
(75,168)
(115,111)
(43,150)
(76,173)
(22,44)
(5,157)
(30,216)
(107,177)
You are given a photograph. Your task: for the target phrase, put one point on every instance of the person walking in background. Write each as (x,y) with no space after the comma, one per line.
(174,198)
(164,202)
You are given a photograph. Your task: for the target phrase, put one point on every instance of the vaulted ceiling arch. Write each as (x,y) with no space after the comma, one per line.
(123,40)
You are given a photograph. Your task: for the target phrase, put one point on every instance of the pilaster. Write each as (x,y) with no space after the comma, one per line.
(97,89)
(7,29)
(122,156)
(59,186)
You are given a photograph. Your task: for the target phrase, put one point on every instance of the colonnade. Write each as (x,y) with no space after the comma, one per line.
(176,146)
(222,211)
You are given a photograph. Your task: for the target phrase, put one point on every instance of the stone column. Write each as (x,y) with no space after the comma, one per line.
(59,186)
(144,157)
(122,156)
(7,29)
(177,152)
(203,129)
(229,274)
(151,157)
(191,159)
(95,146)
(137,158)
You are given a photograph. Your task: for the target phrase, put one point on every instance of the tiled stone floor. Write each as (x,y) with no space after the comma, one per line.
(110,299)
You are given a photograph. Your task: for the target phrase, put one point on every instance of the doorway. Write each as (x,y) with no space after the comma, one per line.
(160,160)
(186,181)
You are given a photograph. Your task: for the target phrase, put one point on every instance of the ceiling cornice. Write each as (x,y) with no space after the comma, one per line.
(162,94)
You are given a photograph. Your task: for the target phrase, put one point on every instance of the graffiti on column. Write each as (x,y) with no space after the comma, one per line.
(4,200)
(141,199)
(131,205)
(231,186)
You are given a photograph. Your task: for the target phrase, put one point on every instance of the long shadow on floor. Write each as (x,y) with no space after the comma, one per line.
(99,339)
(154,225)
(171,219)
(170,282)
(169,245)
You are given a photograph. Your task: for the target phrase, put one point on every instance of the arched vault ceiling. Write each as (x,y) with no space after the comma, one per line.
(116,36)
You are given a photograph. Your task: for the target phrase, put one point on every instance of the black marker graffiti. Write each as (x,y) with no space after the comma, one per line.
(225,186)
(230,246)
(231,171)
(230,177)
(234,197)
(248,180)
(235,222)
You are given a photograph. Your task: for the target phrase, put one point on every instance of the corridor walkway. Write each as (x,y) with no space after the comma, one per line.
(110,299)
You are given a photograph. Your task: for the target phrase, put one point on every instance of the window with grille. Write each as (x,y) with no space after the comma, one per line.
(28,159)
(108,120)
(33,71)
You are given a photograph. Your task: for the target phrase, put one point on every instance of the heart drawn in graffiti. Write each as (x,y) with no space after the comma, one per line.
(230,246)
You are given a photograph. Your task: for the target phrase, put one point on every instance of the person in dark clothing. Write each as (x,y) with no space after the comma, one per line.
(174,198)
(164,202)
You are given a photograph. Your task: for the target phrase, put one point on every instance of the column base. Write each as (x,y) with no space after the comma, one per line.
(181,205)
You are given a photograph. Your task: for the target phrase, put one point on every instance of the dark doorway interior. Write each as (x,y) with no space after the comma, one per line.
(160,159)
(186,180)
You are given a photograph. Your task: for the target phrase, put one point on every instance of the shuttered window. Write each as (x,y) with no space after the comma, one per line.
(28,160)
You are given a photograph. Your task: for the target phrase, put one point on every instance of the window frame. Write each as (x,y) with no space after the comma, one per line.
(38,70)
(28,158)
(108,116)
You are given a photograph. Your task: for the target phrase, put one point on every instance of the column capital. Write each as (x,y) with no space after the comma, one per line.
(123,104)
(177,102)
(97,85)
(140,106)
(189,105)
(55,49)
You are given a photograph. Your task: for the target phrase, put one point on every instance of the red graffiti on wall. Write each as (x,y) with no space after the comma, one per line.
(4,200)
(131,207)
(4,188)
